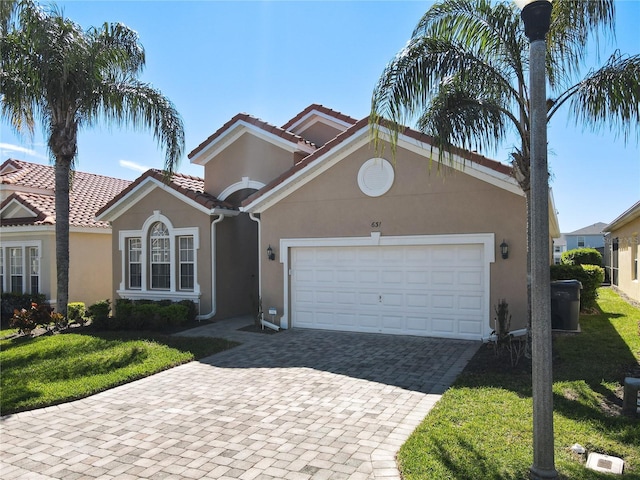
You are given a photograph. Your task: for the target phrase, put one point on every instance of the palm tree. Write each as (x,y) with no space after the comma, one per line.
(68,78)
(463,78)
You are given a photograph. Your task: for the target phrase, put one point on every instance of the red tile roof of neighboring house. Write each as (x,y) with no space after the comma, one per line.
(471,156)
(189,186)
(33,185)
(267,127)
(322,109)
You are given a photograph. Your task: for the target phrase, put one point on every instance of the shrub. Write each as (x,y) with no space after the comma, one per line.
(27,319)
(590,276)
(581,256)
(76,312)
(192,310)
(99,313)
(18,301)
(153,315)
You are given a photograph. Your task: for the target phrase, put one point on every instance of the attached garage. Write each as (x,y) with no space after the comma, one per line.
(413,286)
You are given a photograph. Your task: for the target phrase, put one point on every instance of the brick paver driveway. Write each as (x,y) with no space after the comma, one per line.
(299,404)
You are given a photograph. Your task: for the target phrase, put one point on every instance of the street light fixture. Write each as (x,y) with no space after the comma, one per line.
(536,15)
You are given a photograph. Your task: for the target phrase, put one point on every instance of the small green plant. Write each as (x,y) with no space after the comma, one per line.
(76,312)
(99,313)
(504,339)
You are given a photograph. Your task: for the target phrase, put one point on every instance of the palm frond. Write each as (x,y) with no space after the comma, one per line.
(609,97)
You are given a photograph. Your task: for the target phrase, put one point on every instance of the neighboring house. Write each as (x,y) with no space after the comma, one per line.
(559,247)
(622,251)
(27,232)
(587,237)
(328,232)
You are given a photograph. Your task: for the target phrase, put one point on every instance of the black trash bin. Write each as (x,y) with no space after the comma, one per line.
(565,304)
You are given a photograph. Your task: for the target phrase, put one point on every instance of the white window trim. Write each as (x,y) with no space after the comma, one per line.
(26,271)
(145,292)
(487,240)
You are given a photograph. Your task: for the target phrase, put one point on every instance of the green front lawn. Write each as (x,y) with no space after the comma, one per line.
(52,369)
(482,426)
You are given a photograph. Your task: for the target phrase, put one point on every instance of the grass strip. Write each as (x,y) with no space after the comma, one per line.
(51,369)
(482,426)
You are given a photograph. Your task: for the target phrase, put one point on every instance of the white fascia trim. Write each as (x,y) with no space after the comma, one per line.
(319,117)
(175,296)
(356,141)
(21,188)
(12,209)
(143,189)
(487,240)
(238,129)
(29,229)
(246,182)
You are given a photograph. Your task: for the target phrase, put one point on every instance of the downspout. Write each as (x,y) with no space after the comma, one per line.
(214,302)
(263,322)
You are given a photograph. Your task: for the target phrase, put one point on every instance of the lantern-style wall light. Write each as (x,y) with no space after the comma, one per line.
(270,254)
(504,249)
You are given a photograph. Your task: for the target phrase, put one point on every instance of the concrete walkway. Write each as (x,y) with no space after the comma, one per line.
(299,404)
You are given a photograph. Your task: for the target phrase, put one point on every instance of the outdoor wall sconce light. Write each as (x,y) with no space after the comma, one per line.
(270,254)
(504,249)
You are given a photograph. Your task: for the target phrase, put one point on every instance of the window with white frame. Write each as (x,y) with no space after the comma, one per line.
(159,260)
(186,262)
(16,268)
(34,270)
(581,242)
(135,262)
(160,249)
(20,267)
(634,257)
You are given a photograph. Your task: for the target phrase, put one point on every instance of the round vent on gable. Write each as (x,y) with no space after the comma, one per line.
(375,177)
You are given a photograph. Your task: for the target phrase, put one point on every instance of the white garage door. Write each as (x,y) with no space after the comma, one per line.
(430,290)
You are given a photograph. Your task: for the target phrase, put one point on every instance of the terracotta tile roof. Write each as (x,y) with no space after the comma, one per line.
(323,109)
(189,186)
(426,139)
(89,192)
(267,127)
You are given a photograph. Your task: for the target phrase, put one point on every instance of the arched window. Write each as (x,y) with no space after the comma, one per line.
(159,261)
(160,250)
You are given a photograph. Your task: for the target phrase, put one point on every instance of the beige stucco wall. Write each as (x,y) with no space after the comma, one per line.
(627,236)
(89,263)
(248,156)
(319,133)
(422,201)
(89,267)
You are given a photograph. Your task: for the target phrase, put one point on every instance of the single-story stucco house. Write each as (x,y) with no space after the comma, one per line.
(327,231)
(622,251)
(28,238)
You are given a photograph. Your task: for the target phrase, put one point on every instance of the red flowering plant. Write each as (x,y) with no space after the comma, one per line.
(27,320)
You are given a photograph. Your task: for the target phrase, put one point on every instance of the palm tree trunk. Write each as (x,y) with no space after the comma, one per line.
(63,172)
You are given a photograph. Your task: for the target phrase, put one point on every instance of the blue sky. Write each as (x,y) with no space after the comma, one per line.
(214,59)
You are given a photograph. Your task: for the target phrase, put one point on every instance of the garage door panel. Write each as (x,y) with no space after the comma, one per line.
(442,278)
(470,303)
(392,323)
(442,325)
(417,300)
(413,290)
(325,297)
(348,277)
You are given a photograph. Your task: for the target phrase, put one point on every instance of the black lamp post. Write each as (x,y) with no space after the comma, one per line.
(536,15)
